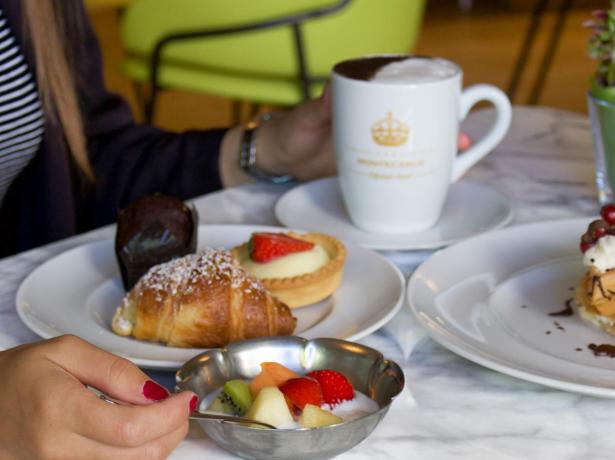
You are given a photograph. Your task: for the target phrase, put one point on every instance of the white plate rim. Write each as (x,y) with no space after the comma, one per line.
(46,331)
(383,246)
(457,345)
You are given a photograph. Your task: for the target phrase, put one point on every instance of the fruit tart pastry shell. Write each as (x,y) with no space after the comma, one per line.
(309,288)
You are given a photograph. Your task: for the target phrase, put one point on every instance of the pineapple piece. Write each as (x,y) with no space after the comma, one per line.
(314,417)
(270,407)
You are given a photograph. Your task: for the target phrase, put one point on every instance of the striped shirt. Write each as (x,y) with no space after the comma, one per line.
(21,113)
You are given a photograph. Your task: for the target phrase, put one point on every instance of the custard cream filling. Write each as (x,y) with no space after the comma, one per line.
(124,318)
(298,263)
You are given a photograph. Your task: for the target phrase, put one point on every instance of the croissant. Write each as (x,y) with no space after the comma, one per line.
(201,300)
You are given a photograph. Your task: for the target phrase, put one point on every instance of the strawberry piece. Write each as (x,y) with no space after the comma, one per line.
(265,247)
(302,391)
(335,386)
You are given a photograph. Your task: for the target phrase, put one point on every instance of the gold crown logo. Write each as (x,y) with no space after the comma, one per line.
(390,131)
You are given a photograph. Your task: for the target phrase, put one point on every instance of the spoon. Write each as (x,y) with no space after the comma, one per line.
(196,415)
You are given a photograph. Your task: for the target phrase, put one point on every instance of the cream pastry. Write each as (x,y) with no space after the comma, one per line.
(595,295)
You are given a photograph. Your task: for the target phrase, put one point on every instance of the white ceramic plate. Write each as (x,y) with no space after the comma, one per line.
(78,291)
(488,299)
(470,209)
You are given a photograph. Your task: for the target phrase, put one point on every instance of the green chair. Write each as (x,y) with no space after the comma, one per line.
(276,52)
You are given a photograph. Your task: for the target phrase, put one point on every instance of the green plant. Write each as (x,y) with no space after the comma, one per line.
(601,47)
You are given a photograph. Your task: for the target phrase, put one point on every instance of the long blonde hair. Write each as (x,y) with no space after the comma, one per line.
(47,34)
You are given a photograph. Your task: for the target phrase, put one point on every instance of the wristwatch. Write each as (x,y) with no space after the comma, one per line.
(248,152)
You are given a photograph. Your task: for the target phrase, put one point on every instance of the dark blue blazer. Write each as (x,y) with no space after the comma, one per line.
(51,200)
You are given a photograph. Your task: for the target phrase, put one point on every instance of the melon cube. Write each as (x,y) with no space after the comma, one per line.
(272,375)
(270,407)
(313,417)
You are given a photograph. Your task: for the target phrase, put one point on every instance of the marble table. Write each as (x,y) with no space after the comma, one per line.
(451,407)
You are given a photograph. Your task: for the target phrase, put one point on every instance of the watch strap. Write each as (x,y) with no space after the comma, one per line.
(248,153)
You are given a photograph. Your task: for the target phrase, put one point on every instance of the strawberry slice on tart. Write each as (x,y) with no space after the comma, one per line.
(299,269)
(265,247)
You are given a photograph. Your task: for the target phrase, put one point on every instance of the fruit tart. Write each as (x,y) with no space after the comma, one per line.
(595,295)
(298,269)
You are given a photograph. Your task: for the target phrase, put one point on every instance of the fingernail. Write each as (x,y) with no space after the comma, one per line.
(193,403)
(154,392)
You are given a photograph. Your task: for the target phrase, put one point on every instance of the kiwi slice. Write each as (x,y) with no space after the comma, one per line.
(239,392)
(234,399)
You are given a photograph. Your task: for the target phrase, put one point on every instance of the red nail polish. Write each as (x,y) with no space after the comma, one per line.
(193,403)
(154,392)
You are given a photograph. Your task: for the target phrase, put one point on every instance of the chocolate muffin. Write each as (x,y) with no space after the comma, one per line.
(153,230)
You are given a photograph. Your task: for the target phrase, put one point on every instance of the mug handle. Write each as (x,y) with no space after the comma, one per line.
(496,132)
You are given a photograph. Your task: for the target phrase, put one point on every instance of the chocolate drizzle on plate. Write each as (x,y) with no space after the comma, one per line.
(604,349)
(568,311)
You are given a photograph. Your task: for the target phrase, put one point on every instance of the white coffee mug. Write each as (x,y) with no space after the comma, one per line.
(395,128)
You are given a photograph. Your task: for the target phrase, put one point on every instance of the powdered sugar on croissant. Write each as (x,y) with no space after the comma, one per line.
(186,273)
(201,300)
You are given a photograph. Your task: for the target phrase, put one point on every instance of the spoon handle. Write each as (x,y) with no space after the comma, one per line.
(197,415)
(228,418)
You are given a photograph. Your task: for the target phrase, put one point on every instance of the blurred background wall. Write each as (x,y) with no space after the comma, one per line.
(484,36)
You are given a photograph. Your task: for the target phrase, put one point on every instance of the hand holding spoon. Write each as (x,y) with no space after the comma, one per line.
(196,415)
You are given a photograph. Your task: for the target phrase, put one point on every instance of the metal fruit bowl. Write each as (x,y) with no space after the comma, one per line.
(365,367)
